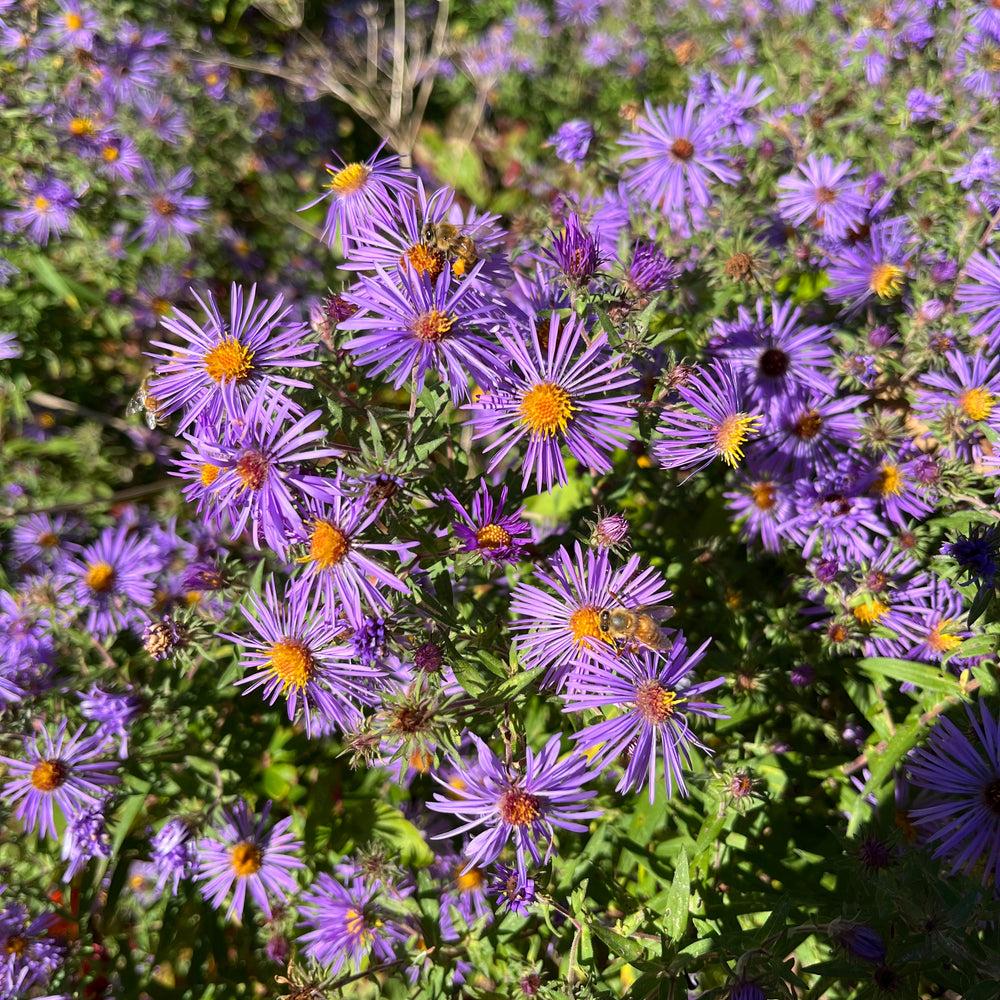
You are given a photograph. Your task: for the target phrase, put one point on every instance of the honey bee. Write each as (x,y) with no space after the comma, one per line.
(637,626)
(460,248)
(142,402)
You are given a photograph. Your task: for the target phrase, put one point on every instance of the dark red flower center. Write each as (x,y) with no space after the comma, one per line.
(518,807)
(774,362)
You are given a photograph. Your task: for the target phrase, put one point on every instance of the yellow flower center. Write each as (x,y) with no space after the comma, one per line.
(425,260)
(327,545)
(110,153)
(209,473)
(229,360)
(471,880)
(886,281)
(977,404)
(41,203)
(48,775)
(292,663)
(245,859)
(350,180)
(99,576)
(889,482)
(870,612)
(518,807)
(357,927)
(655,702)
(546,409)
(73,21)
(16,945)
(585,624)
(808,425)
(763,494)
(492,536)
(81,126)
(432,326)
(732,434)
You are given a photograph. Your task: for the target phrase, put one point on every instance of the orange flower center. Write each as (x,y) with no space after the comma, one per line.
(48,775)
(229,360)
(585,624)
(492,536)
(292,662)
(546,409)
(246,859)
(432,326)
(100,576)
(763,494)
(327,545)
(518,807)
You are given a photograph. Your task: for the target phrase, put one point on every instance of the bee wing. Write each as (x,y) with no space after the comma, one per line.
(136,404)
(663,612)
(151,419)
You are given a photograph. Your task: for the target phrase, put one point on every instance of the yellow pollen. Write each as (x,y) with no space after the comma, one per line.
(357,927)
(432,326)
(245,859)
(871,612)
(585,624)
(977,404)
(16,945)
(763,495)
(229,360)
(99,576)
(48,775)
(209,473)
(655,703)
(940,640)
(73,21)
(110,153)
(492,536)
(889,482)
(81,126)
(292,663)
(732,434)
(471,880)
(886,281)
(425,260)
(327,545)
(808,425)
(546,409)
(518,807)
(350,180)
(41,203)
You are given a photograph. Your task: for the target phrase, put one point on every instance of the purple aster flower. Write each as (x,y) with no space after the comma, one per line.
(113,580)
(576,253)
(979,292)
(421,325)
(572,141)
(872,271)
(522,805)
(171,211)
(239,855)
(223,363)
(924,107)
(649,691)
(562,630)
(650,270)
(118,158)
(462,892)
(680,153)
(296,655)
(486,530)
(552,397)
(976,60)
(132,66)
(961,403)
(114,714)
(172,855)
(906,485)
(259,476)
(776,355)
(356,190)
(86,837)
(716,426)
(823,194)
(30,954)
(736,107)
(338,568)
(347,923)
(580,12)
(610,531)
(74,25)
(514,893)
(63,772)
(47,206)
(765,502)
(42,540)
(161,115)
(809,435)
(22,46)
(961,779)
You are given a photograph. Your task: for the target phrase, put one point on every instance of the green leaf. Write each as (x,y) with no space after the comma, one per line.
(127,813)
(399,833)
(678,900)
(906,671)
(980,604)
(624,947)
(881,765)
